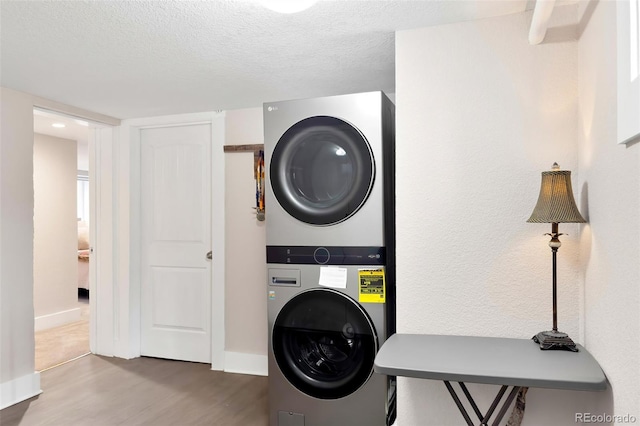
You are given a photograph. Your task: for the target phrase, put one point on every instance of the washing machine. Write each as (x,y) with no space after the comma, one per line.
(330,171)
(330,235)
(326,324)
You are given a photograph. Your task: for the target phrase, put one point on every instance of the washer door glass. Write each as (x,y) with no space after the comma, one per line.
(324,343)
(322,170)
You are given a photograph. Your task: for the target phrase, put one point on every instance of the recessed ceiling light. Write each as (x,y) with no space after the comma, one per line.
(59,125)
(288,6)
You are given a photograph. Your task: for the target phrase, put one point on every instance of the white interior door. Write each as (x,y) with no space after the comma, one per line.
(175,239)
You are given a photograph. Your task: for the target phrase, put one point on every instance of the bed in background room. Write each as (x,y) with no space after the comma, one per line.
(83,257)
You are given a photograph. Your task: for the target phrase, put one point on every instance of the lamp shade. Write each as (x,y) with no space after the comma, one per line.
(555,202)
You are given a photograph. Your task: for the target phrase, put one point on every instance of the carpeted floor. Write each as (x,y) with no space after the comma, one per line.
(61,344)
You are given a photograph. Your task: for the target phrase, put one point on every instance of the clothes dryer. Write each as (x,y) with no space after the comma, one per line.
(323,340)
(330,170)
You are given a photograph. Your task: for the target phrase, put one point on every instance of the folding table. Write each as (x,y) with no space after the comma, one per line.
(490,360)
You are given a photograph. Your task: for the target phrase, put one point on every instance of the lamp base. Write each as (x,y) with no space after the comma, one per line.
(555,340)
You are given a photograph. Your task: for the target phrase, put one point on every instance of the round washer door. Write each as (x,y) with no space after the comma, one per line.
(324,343)
(322,170)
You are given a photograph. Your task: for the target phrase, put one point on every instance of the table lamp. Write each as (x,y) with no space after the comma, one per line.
(555,205)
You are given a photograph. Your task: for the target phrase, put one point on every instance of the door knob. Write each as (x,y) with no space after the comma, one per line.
(209,255)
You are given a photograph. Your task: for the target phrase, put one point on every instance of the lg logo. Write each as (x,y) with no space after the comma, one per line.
(272,108)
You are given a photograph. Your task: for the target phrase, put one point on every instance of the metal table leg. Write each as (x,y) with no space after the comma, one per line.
(506,405)
(471,401)
(494,404)
(463,411)
(484,420)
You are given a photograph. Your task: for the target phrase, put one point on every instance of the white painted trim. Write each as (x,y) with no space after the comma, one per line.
(20,389)
(93,190)
(102,264)
(128,260)
(218,242)
(173,120)
(540,20)
(44,322)
(628,86)
(59,108)
(238,362)
(127,180)
(128,238)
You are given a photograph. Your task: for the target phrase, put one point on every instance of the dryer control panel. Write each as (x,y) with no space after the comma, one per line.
(329,255)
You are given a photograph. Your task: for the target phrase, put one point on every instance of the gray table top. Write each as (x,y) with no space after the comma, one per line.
(490,360)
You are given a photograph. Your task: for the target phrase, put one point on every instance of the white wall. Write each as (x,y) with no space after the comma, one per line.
(17,378)
(55,259)
(480,114)
(245,294)
(610,195)
(18,381)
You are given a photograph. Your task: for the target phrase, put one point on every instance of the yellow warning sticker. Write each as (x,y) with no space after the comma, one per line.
(371,287)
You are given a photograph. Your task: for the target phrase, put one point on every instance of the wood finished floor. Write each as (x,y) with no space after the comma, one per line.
(98,391)
(60,344)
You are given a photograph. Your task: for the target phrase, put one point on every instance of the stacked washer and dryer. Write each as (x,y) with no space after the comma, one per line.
(330,258)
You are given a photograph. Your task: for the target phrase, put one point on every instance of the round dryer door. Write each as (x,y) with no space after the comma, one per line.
(324,343)
(322,170)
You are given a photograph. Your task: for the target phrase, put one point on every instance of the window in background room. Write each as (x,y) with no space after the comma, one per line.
(83,196)
(628,59)
(634,38)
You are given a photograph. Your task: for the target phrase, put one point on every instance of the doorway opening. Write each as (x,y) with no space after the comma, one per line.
(62,240)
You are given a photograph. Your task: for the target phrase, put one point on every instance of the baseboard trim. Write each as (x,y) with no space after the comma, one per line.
(20,389)
(57,319)
(238,362)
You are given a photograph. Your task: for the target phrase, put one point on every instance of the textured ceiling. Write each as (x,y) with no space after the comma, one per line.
(132,59)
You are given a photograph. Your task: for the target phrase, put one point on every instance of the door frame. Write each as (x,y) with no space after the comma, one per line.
(127,180)
(102,230)
(102,227)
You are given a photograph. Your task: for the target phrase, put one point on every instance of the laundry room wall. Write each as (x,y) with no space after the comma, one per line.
(609,185)
(18,381)
(55,242)
(245,291)
(480,114)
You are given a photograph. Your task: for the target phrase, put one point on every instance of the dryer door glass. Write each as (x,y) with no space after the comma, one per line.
(324,343)
(322,170)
